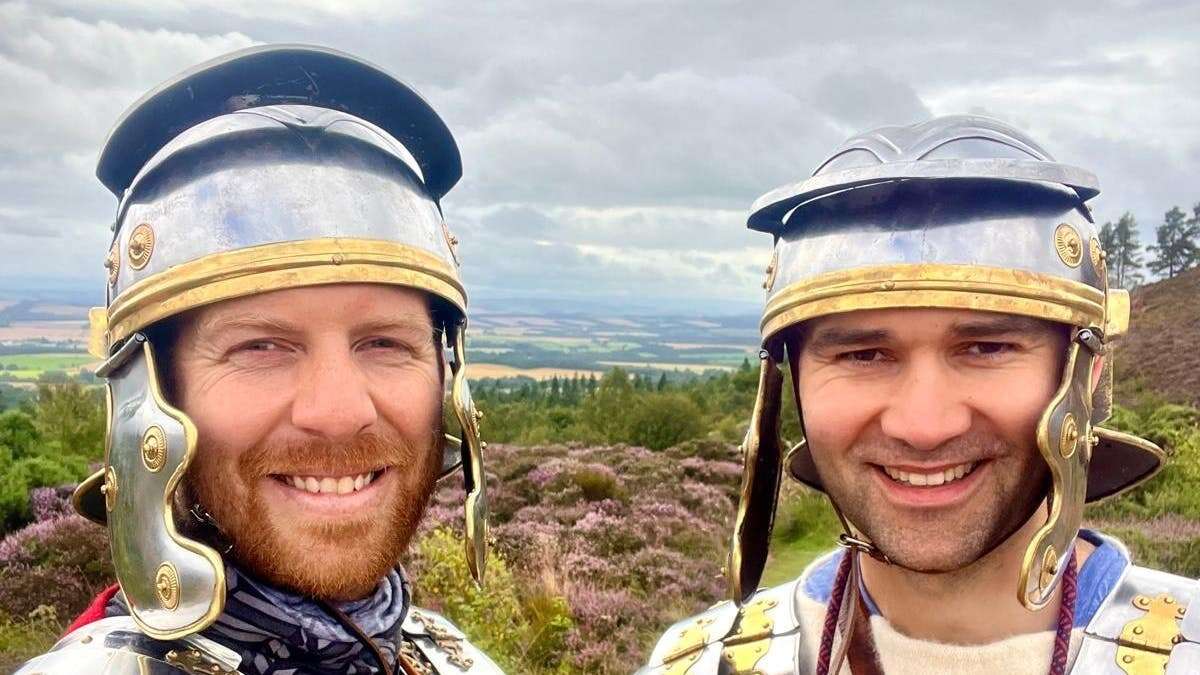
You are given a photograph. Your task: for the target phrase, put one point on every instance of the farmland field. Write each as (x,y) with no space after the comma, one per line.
(494,370)
(31,366)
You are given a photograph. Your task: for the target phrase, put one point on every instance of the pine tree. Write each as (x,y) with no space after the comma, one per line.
(1178,246)
(1120,243)
(662,381)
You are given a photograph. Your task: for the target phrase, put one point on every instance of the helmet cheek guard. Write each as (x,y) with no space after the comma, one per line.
(762,454)
(1064,440)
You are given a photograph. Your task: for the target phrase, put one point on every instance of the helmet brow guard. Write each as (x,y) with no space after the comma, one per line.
(960,212)
(269,168)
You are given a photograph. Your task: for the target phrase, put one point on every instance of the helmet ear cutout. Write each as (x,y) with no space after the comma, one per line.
(762,455)
(470,454)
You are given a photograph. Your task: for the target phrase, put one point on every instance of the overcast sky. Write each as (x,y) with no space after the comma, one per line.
(614,147)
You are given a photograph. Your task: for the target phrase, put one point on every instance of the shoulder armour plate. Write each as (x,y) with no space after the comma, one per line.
(1147,624)
(443,645)
(116,646)
(759,637)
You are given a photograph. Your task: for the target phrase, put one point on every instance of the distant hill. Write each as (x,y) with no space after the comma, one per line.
(1162,351)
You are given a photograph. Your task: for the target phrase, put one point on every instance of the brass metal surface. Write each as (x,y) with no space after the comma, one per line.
(1099,258)
(1145,644)
(688,646)
(166,585)
(112,263)
(141,245)
(974,287)
(1069,437)
(761,470)
(446,641)
(1068,244)
(259,269)
(109,488)
(154,448)
(195,662)
(474,482)
(772,272)
(451,242)
(751,636)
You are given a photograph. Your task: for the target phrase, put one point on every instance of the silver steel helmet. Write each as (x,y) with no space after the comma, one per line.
(959,212)
(268,168)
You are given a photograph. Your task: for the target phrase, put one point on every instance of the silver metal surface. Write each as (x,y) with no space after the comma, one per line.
(141,534)
(280,74)
(965,223)
(116,646)
(1098,651)
(445,646)
(275,174)
(784,652)
(953,146)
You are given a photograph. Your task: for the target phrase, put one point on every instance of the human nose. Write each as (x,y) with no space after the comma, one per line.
(927,410)
(333,400)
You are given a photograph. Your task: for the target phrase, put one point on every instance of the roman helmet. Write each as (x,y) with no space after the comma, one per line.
(960,212)
(269,168)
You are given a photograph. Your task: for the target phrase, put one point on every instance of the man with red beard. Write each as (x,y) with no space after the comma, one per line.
(940,297)
(280,287)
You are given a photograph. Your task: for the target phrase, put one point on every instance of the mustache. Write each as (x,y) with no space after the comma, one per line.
(318,456)
(971,447)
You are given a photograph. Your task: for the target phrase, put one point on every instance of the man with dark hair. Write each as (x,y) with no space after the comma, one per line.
(940,297)
(280,286)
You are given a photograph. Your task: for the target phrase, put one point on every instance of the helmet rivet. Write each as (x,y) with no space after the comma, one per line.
(113,264)
(154,448)
(166,586)
(1068,244)
(338,259)
(109,489)
(1049,568)
(141,246)
(763,354)
(1098,257)
(772,271)
(1069,437)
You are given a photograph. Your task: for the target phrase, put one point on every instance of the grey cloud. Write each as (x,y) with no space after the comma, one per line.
(639,131)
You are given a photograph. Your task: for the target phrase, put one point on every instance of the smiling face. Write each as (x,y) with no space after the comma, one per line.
(318,411)
(922,425)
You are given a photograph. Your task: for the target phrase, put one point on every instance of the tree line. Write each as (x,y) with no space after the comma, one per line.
(1176,248)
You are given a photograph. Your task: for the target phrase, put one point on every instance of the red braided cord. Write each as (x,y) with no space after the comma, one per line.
(1066,619)
(832,612)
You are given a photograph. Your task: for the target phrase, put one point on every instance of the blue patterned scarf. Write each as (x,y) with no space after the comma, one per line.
(281,633)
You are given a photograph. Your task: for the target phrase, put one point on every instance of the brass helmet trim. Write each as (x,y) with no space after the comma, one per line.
(974,287)
(259,269)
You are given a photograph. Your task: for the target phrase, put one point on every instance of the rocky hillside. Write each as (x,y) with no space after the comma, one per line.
(1162,351)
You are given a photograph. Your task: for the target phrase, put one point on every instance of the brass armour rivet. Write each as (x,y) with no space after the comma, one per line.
(1068,245)
(141,246)
(154,448)
(166,586)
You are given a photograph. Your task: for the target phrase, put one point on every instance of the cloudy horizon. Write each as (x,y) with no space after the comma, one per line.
(615,147)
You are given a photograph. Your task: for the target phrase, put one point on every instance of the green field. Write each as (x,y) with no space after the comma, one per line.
(32,366)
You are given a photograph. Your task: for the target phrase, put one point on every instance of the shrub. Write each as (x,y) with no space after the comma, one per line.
(62,562)
(521,633)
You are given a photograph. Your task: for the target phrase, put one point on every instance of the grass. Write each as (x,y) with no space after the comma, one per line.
(31,366)
(789,558)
